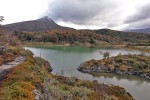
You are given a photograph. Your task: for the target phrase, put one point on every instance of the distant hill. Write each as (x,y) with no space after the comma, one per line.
(144,30)
(125,36)
(39,25)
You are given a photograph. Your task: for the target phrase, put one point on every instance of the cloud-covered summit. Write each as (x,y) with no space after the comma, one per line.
(85,12)
(80,11)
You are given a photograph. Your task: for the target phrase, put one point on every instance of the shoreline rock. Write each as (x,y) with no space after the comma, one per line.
(104,69)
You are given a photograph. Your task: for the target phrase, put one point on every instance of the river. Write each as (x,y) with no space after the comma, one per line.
(65,60)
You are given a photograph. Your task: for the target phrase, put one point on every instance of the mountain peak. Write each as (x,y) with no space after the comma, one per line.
(43,24)
(46,18)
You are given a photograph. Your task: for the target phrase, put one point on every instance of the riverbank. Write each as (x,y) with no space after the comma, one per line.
(139,48)
(98,44)
(138,65)
(43,44)
(32,80)
(86,45)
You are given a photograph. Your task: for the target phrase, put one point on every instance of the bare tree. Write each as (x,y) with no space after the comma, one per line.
(4,46)
(1,18)
(105,54)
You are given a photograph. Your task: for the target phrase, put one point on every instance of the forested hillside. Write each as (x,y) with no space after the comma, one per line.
(96,37)
(129,37)
(65,36)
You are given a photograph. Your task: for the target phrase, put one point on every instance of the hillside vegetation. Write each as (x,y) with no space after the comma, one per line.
(87,38)
(73,37)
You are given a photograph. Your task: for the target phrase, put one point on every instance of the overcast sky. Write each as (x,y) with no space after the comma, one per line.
(80,14)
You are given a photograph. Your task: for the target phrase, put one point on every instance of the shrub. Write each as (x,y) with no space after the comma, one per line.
(70,81)
(80,91)
(17,91)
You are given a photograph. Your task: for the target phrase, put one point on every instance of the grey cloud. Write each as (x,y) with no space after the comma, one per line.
(81,12)
(99,13)
(139,24)
(142,13)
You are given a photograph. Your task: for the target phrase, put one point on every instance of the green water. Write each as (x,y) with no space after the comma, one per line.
(66,60)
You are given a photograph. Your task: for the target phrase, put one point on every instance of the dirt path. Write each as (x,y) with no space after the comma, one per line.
(4,67)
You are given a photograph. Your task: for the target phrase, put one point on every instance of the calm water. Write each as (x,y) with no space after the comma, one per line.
(67,59)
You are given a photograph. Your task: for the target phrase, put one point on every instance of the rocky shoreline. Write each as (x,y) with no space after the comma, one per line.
(104,69)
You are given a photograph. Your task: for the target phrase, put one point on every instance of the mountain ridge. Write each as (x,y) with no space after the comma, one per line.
(142,30)
(42,24)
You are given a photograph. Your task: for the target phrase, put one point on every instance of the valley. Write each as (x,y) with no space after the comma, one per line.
(51,56)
